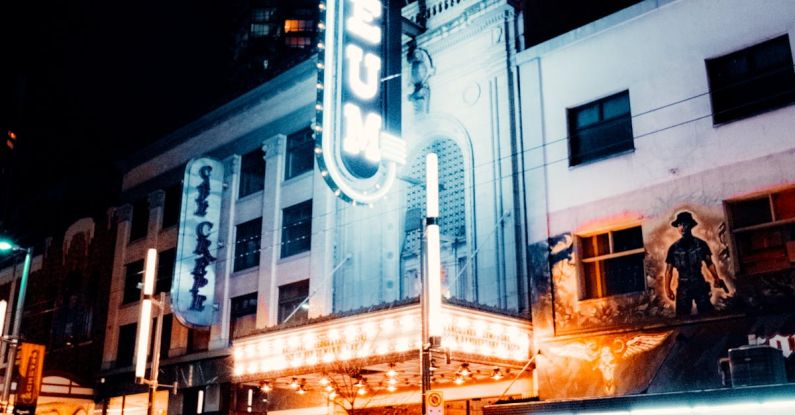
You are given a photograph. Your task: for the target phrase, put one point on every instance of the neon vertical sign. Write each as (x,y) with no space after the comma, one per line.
(357,158)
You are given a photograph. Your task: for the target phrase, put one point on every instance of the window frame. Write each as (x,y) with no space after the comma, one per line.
(239,263)
(128,279)
(251,164)
(171,209)
(287,237)
(718,66)
(582,276)
(774,223)
(241,306)
(294,301)
(131,330)
(295,143)
(139,224)
(574,132)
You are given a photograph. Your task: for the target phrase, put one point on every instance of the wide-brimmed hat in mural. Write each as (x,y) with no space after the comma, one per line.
(684,218)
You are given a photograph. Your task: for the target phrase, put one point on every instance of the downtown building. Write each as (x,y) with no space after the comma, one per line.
(563,166)
(64,314)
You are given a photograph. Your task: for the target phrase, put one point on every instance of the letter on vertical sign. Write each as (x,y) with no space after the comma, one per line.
(361,21)
(363,88)
(361,134)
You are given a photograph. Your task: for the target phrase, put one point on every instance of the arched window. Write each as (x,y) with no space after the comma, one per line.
(456,270)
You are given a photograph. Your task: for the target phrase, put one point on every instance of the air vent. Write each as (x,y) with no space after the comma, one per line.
(756,365)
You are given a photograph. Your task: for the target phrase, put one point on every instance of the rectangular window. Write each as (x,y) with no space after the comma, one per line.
(262,15)
(252,173)
(126,346)
(243,315)
(291,299)
(764,231)
(750,81)
(300,42)
(165,270)
(295,25)
(165,339)
(612,262)
(133,275)
(600,129)
(140,219)
(261,29)
(198,340)
(247,244)
(300,155)
(297,229)
(172,205)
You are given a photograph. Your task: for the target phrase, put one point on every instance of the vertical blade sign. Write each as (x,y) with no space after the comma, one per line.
(193,288)
(356,157)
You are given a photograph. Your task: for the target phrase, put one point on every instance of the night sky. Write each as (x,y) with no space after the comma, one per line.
(86,83)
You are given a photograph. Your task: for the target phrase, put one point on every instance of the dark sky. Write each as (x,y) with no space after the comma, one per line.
(85,83)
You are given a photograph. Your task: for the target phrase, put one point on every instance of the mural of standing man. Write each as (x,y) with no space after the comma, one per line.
(686,255)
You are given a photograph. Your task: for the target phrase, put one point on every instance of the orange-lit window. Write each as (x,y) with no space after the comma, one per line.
(612,262)
(295,25)
(764,231)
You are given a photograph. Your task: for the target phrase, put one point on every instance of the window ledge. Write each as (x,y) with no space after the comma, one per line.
(294,179)
(294,257)
(610,297)
(250,196)
(597,160)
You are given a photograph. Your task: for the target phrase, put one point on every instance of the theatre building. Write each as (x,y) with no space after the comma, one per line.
(314,305)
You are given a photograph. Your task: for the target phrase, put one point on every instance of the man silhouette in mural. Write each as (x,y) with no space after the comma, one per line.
(687,255)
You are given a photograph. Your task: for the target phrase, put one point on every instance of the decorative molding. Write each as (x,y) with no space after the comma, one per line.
(274,146)
(156,199)
(124,213)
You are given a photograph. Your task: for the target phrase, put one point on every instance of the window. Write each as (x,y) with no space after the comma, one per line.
(600,129)
(300,155)
(298,41)
(172,205)
(244,314)
(126,347)
(133,275)
(252,173)
(140,219)
(165,270)
(247,244)
(262,15)
(764,231)
(261,29)
(198,340)
(291,297)
(165,335)
(297,229)
(752,80)
(612,262)
(298,26)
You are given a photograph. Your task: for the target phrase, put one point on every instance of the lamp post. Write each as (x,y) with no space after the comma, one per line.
(14,338)
(144,326)
(431,285)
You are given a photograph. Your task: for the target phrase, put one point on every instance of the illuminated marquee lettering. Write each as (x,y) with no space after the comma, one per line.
(356,157)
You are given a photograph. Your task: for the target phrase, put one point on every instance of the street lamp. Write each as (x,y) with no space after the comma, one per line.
(14,338)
